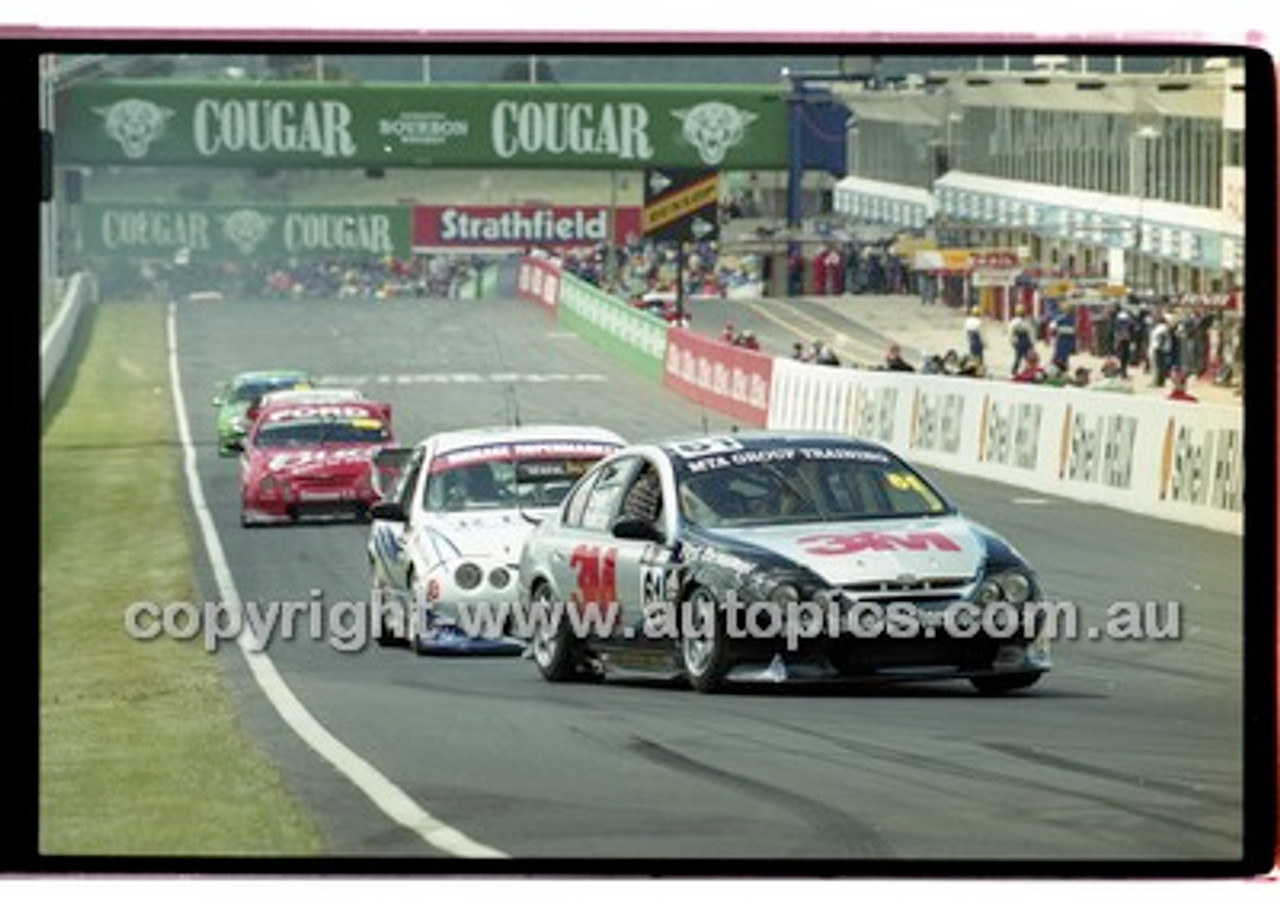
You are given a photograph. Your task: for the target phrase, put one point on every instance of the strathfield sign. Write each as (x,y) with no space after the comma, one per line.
(520,227)
(138,122)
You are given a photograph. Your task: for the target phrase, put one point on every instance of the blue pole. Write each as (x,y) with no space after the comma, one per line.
(795,176)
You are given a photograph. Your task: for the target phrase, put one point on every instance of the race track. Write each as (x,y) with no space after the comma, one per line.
(1127,751)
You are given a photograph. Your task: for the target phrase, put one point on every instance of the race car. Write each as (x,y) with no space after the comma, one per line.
(448,535)
(312,460)
(236,396)
(771,556)
(302,394)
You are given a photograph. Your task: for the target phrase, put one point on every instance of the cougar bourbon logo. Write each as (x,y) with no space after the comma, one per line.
(134,124)
(246,228)
(713,128)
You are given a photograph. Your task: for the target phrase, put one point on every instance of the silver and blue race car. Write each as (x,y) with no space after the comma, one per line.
(771,556)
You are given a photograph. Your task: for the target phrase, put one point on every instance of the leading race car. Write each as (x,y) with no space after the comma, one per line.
(312,460)
(770,556)
(235,398)
(450,531)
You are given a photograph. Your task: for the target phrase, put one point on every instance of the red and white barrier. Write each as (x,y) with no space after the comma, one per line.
(731,380)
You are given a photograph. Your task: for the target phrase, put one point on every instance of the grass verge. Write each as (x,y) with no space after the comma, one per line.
(140,752)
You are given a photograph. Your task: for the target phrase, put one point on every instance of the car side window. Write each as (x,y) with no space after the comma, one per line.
(643,498)
(605,493)
(408,481)
(577,500)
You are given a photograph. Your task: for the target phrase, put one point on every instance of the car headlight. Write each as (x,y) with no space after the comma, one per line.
(1009,586)
(784,594)
(268,483)
(468,576)
(499,578)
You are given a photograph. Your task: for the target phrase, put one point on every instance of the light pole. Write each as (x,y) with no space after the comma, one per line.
(1139,144)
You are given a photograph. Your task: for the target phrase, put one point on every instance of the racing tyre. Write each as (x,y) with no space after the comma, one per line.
(392,624)
(995,684)
(558,653)
(415,618)
(704,645)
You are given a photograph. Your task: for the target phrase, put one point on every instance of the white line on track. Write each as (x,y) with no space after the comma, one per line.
(388,797)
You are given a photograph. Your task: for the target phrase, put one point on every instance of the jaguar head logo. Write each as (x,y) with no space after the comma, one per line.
(246,228)
(713,128)
(134,124)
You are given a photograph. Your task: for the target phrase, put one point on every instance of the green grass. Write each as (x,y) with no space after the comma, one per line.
(140,749)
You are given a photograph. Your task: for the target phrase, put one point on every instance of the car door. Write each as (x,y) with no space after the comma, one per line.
(582,554)
(642,562)
(390,536)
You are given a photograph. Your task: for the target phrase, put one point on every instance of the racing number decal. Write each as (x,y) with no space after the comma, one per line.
(597,579)
(901,481)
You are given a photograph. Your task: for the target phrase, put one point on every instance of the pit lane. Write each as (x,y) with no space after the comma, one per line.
(1127,751)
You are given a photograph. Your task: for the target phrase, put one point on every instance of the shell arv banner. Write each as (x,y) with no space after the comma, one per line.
(311,125)
(1147,455)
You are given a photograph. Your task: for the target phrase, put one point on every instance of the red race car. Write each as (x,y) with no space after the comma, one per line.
(312,460)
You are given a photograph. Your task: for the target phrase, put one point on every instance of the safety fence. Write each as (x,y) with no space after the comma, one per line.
(56,341)
(1181,462)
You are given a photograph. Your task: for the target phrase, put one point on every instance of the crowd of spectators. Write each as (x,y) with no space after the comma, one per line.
(422,276)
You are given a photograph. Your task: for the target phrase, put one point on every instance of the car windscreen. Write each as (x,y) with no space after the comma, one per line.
(504,483)
(253,390)
(314,431)
(790,487)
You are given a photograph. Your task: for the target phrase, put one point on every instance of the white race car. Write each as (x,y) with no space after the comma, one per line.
(450,530)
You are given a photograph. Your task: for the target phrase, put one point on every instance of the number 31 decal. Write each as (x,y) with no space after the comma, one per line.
(597,580)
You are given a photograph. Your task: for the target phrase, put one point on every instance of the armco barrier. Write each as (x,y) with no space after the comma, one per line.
(57,338)
(634,336)
(1177,461)
(728,379)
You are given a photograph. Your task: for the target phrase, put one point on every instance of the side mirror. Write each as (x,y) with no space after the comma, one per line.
(236,445)
(631,528)
(388,511)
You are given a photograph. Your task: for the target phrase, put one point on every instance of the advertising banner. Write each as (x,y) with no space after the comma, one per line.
(538,280)
(1181,462)
(310,125)
(728,379)
(520,227)
(631,335)
(246,231)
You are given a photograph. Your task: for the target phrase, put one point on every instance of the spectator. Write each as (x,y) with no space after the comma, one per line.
(823,354)
(973,332)
(1122,340)
(1032,373)
(893,360)
(1178,387)
(1112,379)
(747,340)
(799,353)
(1021,338)
(730,333)
(1063,333)
(1080,378)
(1160,349)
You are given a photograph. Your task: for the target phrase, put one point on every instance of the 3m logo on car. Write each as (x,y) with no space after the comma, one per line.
(871,541)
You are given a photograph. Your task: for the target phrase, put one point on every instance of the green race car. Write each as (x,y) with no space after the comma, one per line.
(237,400)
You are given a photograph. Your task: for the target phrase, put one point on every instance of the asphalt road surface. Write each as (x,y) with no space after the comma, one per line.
(1130,750)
